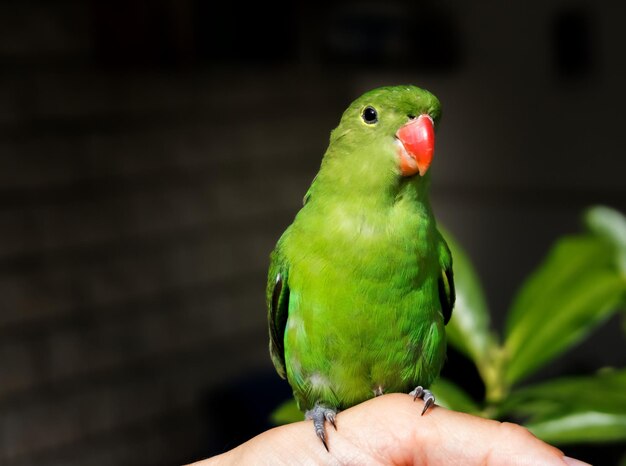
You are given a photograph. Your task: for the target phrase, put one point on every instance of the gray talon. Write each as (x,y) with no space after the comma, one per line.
(330,417)
(418,392)
(426,395)
(429,400)
(321,433)
(318,415)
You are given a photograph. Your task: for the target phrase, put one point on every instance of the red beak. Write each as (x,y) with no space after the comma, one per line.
(417,147)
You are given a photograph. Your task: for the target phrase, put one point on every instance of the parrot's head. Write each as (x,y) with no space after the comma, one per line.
(387,132)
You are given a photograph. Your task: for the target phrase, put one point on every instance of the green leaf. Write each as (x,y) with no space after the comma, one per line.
(451,396)
(609,224)
(575,289)
(286,413)
(603,392)
(574,409)
(468,329)
(584,427)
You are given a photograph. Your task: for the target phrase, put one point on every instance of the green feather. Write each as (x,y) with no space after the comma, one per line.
(360,284)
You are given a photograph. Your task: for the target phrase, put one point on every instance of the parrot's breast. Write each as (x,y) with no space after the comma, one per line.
(364,314)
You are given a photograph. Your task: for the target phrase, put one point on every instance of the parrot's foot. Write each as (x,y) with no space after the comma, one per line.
(426,395)
(318,415)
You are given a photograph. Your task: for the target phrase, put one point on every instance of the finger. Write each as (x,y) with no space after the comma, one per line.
(389,430)
(441,436)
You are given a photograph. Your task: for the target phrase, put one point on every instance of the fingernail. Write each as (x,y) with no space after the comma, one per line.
(574,462)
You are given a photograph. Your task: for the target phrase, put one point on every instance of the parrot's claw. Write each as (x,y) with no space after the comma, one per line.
(426,395)
(319,414)
(330,416)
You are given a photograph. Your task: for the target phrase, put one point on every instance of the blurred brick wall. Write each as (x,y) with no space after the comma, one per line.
(138,206)
(137,212)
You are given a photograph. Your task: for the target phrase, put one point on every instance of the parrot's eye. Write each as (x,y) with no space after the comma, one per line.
(369,115)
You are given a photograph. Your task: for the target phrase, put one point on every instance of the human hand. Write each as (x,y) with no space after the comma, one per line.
(389,430)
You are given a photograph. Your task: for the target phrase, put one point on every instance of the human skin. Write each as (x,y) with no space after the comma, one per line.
(389,430)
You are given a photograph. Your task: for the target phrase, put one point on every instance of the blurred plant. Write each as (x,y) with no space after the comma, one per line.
(580,284)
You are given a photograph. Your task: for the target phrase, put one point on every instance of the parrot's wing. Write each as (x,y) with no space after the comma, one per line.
(307,196)
(277,295)
(447,294)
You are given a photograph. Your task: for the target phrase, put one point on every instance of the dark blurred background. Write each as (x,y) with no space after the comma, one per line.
(151,153)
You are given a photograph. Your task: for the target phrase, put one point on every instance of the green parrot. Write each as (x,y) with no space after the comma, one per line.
(360,285)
